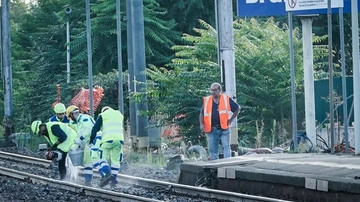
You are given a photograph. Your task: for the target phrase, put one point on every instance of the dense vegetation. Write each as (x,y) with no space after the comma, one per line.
(181,54)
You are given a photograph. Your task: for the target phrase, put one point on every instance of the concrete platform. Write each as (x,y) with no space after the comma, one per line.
(300,177)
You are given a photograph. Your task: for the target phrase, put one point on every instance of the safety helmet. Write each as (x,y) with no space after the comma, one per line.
(105,108)
(59,108)
(70,109)
(35,127)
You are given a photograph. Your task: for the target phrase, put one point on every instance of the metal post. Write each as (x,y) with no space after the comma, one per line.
(227,59)
(343,72)
(218,40)
(67,11)
(309,78)
(331,85)
(139,71)
(292,70)
(119,55)
(356,71)
(6,69)
(89,49)
(1,47)
(132,106)
(68,50)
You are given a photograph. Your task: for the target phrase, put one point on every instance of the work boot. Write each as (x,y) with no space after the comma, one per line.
(105,180)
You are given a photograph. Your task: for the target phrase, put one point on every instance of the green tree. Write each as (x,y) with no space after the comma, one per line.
(319,29)
(262,72)
(191,12)
(159,36)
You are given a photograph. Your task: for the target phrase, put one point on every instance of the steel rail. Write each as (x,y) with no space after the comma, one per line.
(25,159)
(150,183)
(90,191)
(196,191)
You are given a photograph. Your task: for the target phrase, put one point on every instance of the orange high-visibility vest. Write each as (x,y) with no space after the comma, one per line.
(224,110)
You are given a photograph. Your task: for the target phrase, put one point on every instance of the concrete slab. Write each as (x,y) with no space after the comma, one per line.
(323,176)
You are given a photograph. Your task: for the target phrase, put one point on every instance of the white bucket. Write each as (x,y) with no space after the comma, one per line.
(77,157)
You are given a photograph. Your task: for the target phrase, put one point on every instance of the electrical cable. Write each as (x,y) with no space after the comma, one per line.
(205,180)
(165,190)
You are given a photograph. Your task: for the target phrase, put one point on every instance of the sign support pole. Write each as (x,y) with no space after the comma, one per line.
(356,71)
(343,74)
(292,70)
(331,82)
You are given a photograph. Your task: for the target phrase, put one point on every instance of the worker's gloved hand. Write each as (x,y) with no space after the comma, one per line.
(54,147)
(91,146)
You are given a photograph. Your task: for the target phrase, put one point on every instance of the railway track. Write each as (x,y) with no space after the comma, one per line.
(178,190)
(90,191)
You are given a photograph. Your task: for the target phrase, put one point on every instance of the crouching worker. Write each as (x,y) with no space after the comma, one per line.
(83,124)
(110,122)
(59,136)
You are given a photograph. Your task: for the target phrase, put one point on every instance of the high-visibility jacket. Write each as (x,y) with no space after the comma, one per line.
(52,139)
(84,124)
(112,126)
(224,112)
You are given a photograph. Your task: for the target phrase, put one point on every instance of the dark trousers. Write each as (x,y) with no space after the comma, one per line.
(62,167)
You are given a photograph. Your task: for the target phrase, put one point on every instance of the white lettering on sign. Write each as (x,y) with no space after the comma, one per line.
(262,1)
(297,5)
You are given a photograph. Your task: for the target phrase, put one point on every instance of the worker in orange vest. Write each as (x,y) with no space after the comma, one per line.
(215,119)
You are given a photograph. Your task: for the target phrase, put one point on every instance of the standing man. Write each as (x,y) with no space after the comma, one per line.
(82,124)
(59,116)
(215,119)
(110,122)
(60,138)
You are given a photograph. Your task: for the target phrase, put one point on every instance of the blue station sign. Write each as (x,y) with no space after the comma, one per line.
(252,8)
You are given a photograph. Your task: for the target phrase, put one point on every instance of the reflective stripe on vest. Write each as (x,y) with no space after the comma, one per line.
(226,111)
(206,102)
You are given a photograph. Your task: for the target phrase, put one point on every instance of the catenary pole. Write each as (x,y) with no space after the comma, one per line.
(89,53)
(131,78)
(138,41)
(309,78)
(227,60)
(119,55)
(7,69)
(68,11)
(68,50)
